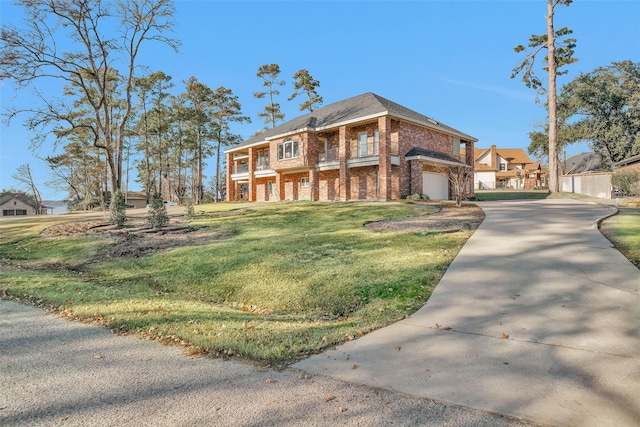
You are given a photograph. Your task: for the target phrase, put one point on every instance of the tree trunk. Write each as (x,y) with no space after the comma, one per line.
(217,189)
(552,102)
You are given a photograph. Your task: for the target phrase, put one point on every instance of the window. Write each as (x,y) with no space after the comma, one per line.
(503,166)
(8,212)
(270,187)
(288,149)
(456,146)
(262,162)
(376,142)
(362,145)
(21,211)
(322,155)
(304,181)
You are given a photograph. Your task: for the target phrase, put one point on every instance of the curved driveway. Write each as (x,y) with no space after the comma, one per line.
(538,317)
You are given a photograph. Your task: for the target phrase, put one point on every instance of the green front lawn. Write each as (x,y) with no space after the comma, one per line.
(623,230)
(272,283)
(493,195)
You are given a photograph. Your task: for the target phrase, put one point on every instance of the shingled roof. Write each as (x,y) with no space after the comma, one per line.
(417,152)
(365,106)
(7,196)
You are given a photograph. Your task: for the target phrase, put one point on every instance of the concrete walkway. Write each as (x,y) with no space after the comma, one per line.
(538,317)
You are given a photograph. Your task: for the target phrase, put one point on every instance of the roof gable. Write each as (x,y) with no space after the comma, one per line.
(8,196)
(514,155)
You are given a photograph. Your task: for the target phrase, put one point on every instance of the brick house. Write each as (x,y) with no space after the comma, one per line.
(505,168)
(362,148)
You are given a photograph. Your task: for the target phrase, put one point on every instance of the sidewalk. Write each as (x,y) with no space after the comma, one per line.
(538,317)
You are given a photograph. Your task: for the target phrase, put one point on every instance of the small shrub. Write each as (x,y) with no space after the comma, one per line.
(157,217)
(626,181)
(425,197)
(116,209)
(188,203)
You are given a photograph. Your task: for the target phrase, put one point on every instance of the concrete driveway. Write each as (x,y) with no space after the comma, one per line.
(538,317)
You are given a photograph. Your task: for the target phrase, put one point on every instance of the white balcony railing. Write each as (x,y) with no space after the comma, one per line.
(330,155)
(241,168)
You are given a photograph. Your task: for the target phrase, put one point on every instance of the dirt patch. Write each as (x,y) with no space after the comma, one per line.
(137,240)
(450,218)
(134,245)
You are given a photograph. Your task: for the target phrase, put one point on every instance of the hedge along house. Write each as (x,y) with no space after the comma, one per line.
(362,148)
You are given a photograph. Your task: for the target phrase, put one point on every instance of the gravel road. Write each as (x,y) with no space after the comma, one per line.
(56,372)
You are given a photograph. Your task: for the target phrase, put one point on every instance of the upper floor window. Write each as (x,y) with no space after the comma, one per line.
(503,166)
(262,161)
(362,145)
(456,146)
(376,142)
(288,149)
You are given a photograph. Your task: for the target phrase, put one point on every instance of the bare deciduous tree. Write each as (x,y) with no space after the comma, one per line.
(85,61)
(24,176)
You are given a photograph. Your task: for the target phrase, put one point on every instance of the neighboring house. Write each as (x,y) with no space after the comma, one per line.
(132,199)
(17,204)
(584,175)
(136,199)
(631,163)
(582,163)
(505,168)
(362,148)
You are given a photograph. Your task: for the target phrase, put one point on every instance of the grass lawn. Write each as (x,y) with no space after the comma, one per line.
(623,230)
(482,196)
(273,283)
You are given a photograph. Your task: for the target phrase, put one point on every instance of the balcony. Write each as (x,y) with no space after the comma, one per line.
(263,165)
(366,150)
(329,160)
(240,172)
(241,168)
(332,154)
(263,168)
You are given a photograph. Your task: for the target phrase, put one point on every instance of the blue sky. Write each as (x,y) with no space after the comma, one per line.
(450,60)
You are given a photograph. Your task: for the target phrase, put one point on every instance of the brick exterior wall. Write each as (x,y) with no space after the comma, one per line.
(293,189)
(262,189)
(364,183)
(329,185)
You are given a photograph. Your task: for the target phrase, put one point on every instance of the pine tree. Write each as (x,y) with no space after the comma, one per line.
(269,73)
(116,209)
(559,53)
(305,84)
(157,217)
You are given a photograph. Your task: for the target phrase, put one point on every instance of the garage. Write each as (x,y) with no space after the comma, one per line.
(435,185)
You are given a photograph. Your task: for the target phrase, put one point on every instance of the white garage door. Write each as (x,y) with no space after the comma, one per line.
(435,185)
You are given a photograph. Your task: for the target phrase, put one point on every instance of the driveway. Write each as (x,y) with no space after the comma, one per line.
(538,317)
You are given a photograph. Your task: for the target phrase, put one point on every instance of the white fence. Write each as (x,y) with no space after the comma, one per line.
(589,184)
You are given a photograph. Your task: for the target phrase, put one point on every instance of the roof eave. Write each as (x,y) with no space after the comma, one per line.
(433,160)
